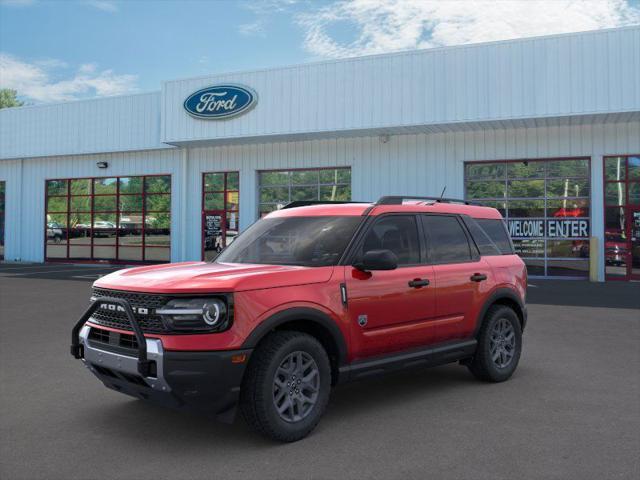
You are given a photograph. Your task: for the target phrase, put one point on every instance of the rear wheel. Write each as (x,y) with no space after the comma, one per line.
(286,387)
(499,345)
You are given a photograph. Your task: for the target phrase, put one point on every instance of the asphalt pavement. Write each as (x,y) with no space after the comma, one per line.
(571,411)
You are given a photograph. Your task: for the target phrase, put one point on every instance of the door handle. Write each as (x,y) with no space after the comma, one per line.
(478,277)
(418,282)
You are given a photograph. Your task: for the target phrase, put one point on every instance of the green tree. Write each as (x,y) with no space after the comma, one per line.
(8,98)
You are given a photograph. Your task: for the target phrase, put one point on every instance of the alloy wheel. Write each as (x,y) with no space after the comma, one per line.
(502,343)
(296,386)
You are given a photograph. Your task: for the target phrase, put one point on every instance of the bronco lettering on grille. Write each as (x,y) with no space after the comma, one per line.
(118,308)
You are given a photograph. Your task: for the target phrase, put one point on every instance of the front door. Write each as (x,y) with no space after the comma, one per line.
(220,210)
(390,310)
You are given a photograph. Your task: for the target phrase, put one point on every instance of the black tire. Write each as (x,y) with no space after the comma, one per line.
(258,393)
(484,366)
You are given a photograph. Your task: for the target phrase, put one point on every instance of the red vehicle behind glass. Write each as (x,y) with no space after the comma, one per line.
(308,297)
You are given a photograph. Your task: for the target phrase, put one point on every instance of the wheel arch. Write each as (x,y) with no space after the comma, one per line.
(307,320)
(508,298)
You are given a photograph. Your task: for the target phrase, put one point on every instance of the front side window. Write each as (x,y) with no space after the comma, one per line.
(280,187)
(397,233)
(446,239)
(303,241)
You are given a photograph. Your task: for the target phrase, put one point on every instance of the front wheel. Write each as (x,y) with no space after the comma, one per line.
(286,387)
(499,345)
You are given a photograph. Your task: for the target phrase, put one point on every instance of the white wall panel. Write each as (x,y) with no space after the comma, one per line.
(11,174)
(89,126)
(546,77)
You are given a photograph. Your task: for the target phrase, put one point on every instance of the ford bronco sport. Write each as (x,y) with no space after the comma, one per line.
(308,297)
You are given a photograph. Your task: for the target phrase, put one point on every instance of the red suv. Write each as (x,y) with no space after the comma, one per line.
(308,297)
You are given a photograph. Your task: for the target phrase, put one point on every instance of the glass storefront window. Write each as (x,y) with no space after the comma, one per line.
(486,189)
(525,208)
(568,188)
(615,168)
(109,219)
(547,209)
(633,168)
(486,171)
(526,169)
(615,193)
(278,188)
(634,193)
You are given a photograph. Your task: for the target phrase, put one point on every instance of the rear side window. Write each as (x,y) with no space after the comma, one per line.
(480,237)
(497,232)
(447,241)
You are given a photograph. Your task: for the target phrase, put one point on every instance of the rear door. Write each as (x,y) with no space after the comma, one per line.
(462,278)
(390,310)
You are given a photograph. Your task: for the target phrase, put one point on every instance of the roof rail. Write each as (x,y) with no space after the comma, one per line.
(306,203)
(398,200)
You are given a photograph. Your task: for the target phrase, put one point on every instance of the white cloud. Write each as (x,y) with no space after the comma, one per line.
(252,29)
(37,82)
(269,6)
(104,5)
(390,25)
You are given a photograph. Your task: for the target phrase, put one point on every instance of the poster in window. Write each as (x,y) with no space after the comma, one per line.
(213,240)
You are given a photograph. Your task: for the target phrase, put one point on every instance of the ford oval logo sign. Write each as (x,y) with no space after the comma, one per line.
(220,101)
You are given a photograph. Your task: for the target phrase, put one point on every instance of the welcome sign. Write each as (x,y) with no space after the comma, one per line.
(219,102)
(552,228)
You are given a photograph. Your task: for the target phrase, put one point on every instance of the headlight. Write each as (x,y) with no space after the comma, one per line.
(196,314)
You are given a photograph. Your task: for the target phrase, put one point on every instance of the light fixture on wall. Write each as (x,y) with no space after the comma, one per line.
(102,164)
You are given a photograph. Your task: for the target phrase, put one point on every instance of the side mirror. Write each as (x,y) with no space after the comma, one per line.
(377,260)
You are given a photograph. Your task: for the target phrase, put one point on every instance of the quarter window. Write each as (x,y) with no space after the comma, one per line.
(497,232)
(446,239)
(397,233)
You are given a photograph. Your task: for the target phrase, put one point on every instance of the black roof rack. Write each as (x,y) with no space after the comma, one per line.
(306,203)
(398,200)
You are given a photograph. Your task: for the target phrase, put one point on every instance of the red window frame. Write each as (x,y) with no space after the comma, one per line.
(92,212)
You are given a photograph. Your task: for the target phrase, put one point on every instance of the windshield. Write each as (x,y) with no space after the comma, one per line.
(304,241)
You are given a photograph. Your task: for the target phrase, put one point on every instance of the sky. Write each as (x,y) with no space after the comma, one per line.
(60,50)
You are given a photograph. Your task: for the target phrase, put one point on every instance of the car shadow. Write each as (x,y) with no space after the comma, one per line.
(356,401)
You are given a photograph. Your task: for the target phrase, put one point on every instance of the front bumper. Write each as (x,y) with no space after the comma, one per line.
(208,382)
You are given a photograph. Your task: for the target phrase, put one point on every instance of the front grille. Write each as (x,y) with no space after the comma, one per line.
(150,323)
(107,338)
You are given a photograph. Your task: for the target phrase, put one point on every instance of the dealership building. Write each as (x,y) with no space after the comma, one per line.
(545,129)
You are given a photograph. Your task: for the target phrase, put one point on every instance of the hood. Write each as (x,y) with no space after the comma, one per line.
(203,277)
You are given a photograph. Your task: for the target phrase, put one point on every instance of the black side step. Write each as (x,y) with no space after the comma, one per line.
(426,357)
